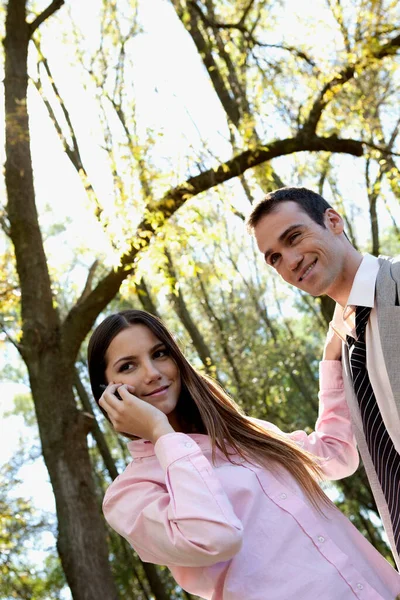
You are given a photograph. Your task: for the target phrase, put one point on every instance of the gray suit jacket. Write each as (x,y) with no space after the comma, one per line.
(387,298)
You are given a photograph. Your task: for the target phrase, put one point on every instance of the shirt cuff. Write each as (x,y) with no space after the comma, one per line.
(174,446)
(330,375)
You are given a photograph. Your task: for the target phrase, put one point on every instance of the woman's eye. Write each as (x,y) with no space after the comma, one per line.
(161,353)
(294,236)
(126,367)
(273,258)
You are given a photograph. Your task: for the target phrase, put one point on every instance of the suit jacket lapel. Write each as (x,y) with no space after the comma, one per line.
(388,312)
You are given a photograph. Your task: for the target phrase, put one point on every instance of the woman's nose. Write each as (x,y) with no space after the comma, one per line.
(151,371)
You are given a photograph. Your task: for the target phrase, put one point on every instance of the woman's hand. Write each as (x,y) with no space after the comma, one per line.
(333,346)
(132,415)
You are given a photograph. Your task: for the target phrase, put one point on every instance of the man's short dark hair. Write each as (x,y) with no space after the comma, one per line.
(310,202)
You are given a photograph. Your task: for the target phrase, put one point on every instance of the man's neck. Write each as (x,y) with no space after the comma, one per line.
(340,290)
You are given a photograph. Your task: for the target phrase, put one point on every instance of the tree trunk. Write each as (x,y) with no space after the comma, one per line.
(179,304)
(81,534)
(95,430)
(144,297)
(155,583)
(327,308)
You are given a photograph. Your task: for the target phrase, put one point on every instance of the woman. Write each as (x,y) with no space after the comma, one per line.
(230,504)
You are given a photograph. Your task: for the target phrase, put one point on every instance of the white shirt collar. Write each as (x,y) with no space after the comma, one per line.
(363,289)
(362,293)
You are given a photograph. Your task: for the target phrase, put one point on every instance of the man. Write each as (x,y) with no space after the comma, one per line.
(302,237)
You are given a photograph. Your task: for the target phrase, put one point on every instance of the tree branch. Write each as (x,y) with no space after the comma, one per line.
(4,223)
(336,83)
(72,151)
(50,10)
(337,12)
(249,36)
(388,49)
(300,53)
(95,430)
(246,12)
(385,150)
(324,98)
(205,51)
(89,282)
(82,316)
(10,338)
(394,135)
(145,299)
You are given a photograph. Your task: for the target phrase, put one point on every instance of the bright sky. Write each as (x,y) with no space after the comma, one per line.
(175,98)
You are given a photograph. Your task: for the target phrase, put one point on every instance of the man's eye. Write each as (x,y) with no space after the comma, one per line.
(273,259)
(293,237)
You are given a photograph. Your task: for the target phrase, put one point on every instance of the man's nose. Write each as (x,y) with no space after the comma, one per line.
(293,260)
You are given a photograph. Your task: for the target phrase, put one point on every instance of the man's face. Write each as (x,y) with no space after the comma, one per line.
(303,253)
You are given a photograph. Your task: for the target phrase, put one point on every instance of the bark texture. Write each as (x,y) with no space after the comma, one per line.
(81,532)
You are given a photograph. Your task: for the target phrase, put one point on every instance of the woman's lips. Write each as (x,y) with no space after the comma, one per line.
(157,392)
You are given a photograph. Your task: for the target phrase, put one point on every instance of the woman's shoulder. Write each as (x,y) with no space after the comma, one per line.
(143,460)
(141,471)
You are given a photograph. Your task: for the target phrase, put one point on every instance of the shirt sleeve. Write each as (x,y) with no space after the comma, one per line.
(189,521)
(333,440)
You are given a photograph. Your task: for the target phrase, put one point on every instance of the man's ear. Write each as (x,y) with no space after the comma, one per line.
(333,221)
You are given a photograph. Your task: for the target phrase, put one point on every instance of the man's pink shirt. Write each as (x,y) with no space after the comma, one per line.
(242,532)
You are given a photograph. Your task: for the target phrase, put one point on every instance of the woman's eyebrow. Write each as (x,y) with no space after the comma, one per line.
(132,357)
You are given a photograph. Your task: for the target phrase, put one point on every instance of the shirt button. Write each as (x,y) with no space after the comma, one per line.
(188,445)
(321,538)
(360,586)
(282,496)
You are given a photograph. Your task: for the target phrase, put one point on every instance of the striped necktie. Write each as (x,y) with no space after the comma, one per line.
(385,458)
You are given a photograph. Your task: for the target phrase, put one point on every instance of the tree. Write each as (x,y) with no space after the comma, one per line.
(20,524)
(50,340)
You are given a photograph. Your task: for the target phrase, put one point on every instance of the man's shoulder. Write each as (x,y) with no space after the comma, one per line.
(388,279)
(388,259)
(390,265)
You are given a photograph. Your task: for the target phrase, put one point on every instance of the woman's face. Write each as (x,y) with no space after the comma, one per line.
(138,358)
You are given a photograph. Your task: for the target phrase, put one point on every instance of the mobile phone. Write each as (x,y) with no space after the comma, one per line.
(104,387)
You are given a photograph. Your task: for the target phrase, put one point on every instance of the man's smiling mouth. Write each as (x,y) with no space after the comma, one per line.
(307,271)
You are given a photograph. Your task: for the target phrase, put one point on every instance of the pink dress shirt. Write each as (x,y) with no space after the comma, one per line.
(242,532)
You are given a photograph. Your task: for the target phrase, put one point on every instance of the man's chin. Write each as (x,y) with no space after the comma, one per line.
(313,291)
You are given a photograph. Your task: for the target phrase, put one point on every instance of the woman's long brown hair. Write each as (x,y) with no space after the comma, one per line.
(204,407)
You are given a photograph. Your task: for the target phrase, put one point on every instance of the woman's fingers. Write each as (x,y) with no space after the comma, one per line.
(108,400)
(114,405)
(131,415)
(128,390)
